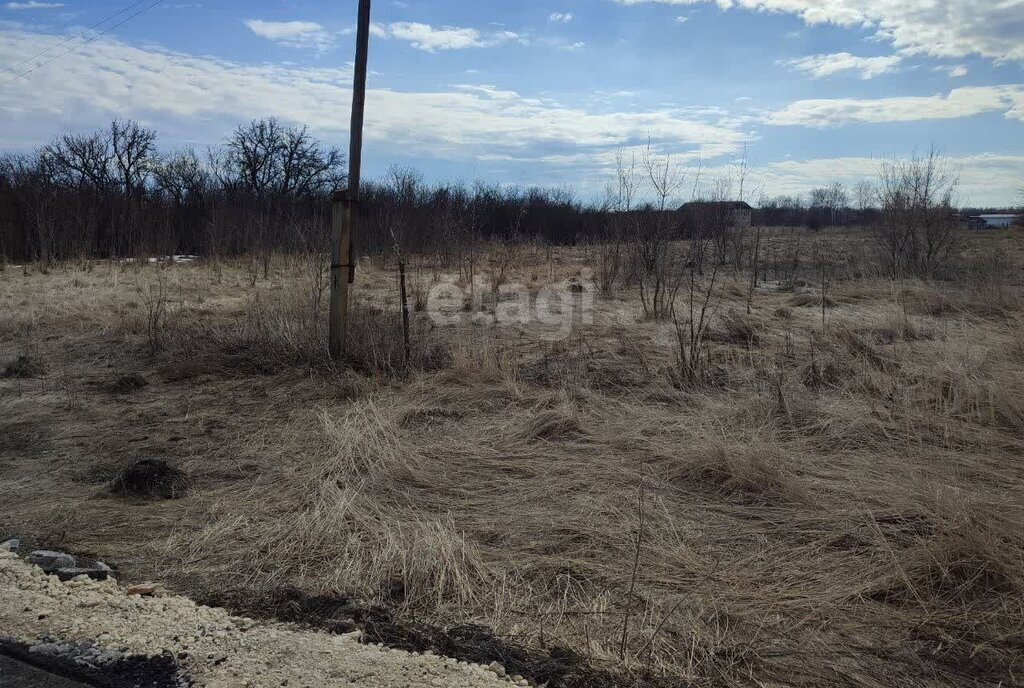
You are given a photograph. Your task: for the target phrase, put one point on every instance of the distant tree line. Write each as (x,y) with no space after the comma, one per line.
(835,205)
(266,187)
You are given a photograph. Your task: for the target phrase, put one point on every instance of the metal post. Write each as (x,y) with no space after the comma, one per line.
(346,203)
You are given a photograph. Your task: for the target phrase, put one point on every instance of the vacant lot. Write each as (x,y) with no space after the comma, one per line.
(831,495)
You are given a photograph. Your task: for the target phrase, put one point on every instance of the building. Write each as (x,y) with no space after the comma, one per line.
(737,214)
(991,221)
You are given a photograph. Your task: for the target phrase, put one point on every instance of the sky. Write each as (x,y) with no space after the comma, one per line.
(544,92)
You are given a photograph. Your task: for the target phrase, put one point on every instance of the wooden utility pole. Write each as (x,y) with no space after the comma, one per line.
(345,203)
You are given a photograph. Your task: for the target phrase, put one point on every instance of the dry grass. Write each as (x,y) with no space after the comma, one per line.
(837,503)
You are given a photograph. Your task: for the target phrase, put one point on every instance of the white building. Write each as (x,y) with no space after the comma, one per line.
(993,221)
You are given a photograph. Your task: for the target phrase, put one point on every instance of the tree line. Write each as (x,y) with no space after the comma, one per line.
(266,187)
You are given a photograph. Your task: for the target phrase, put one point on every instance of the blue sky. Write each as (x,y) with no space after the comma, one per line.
(545,91)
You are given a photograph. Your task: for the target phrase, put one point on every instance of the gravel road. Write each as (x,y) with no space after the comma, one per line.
(213,648)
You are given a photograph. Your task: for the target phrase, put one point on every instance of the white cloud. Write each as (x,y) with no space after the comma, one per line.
(682,19)
(431,39)
(178,92)
(561,17)
(292,34)
(954,71)
(820,66)
(960,102)
(33,5)
(942,28)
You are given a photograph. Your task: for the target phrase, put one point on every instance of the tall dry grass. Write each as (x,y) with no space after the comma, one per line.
(833,502)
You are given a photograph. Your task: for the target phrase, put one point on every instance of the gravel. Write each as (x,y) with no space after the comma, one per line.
(213,648)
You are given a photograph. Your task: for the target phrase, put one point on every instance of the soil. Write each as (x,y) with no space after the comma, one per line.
(559,667)
(205,646)
(152,478)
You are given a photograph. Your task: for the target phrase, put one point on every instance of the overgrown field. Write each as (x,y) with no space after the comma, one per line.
(823,486)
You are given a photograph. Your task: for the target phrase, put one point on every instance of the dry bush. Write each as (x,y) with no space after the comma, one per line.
(155,297)
(286,329)
(919,232)
(733,328)
(375,343)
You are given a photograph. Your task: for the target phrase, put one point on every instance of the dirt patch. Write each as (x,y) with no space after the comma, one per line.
(558,667)
(25,366)
(24,436)
(152,479)
(129,383)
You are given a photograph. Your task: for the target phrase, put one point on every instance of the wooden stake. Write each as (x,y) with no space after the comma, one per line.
(405,308)
(346,203)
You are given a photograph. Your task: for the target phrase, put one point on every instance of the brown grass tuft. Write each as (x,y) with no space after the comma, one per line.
(748,474)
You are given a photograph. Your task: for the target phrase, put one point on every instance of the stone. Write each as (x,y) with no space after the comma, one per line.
(498,669)
(94,572)
(49,561)
(10,545)
(144,589)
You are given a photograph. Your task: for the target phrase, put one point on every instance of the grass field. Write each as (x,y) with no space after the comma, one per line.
(835,500)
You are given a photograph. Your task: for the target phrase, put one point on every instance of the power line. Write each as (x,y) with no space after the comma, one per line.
(71,38)
(84,43)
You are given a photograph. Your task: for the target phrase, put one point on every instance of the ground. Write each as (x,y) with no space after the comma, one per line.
(174,641)
(833,500)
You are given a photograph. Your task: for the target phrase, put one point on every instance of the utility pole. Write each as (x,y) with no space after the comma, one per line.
(345,202)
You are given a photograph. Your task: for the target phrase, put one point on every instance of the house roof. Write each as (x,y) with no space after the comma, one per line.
(731,205)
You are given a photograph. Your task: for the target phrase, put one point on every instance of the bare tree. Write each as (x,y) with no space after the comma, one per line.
(702,303)
(133,148)
(618,207)
(183,177)
(658,259)
(664,174)
(267,157)
(865,195)
(744,169)
(80,160)
(919,227)
(837,201)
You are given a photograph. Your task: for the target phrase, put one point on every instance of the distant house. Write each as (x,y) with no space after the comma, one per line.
(990,221)
(736,214)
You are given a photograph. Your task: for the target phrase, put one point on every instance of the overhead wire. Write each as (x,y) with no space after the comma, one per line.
(91,38)
(67,40)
